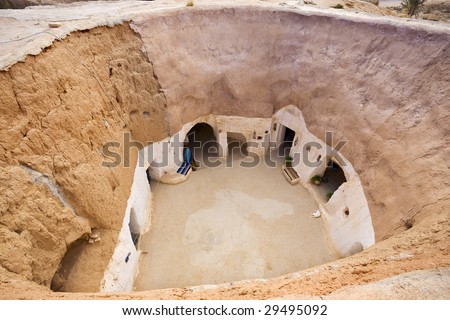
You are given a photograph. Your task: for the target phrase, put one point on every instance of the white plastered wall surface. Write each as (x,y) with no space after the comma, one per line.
(348,234)
(119,276)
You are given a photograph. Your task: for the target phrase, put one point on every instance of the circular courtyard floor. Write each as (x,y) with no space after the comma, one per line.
(227,224)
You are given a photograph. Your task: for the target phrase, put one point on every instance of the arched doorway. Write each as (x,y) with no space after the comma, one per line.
(286,139)
(237,146)
(202,143)
(332,178)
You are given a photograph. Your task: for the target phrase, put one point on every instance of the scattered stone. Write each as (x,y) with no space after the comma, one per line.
(94,236)
(54,24)
(316,213)
(375,2)
(400,256)
(334,267)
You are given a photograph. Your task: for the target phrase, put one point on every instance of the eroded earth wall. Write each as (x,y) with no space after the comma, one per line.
(57,111)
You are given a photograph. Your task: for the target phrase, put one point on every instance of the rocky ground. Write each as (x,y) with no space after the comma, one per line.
(436,10)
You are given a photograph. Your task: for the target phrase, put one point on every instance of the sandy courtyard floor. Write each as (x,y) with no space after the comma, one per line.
(227,224)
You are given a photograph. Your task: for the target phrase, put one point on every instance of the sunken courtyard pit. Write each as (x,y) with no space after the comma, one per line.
(218,151)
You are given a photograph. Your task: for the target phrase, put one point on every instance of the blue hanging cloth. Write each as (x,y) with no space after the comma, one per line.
(187,155)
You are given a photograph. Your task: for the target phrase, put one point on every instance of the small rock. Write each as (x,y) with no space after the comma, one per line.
(91,241)
(243,292)
(401,256)
(97,239)
(316,213)
(54,24)
(405,255)
(94,236)
(334,267)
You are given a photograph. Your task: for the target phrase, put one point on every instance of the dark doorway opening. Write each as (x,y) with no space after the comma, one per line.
(62,277)
(202,143)
(149,177)
(288,136)
(134,228)
(333,177)
(237,146)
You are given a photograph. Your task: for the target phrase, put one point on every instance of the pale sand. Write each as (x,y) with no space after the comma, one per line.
(226,224)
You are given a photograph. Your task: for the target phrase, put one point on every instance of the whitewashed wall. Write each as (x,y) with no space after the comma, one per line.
(250,128)
(347,234)
(119,275)
(353,233)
